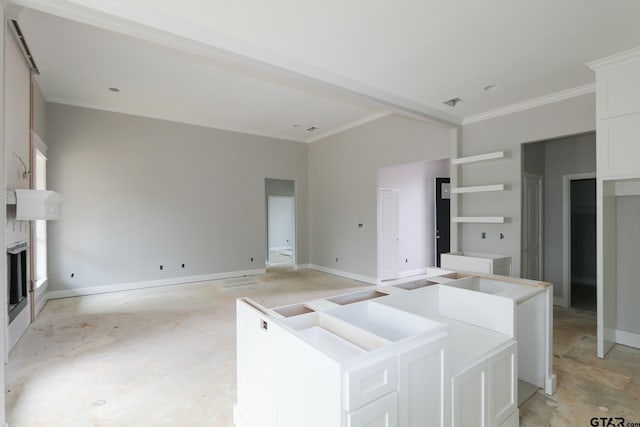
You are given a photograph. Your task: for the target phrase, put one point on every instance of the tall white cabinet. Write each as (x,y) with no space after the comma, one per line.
(618,196)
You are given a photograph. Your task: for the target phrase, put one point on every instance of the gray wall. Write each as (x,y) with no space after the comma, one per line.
(569,117)
(343,186)
(562,157)
(140,192)
(415,183)
(39,112)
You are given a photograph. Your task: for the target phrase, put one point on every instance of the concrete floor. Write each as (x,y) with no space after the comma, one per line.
(166,357)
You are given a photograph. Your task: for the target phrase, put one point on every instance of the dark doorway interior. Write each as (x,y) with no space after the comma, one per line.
(583,244)
(443,217)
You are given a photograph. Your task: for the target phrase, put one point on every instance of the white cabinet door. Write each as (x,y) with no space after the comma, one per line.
(424,385)
(503,380)
(380,413)
(470,397)
(256,371)
(367,383)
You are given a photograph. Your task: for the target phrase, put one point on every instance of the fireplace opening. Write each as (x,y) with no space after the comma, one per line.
(17,279)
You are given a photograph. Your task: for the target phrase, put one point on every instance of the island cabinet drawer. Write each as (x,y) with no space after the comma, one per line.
(381,413)
(364,385)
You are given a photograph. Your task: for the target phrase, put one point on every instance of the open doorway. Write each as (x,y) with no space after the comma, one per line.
(407,217)
(281,222)
(580,215)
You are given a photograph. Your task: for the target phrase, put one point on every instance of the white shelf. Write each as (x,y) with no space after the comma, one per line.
(479,219)
(479,158)
(478,189)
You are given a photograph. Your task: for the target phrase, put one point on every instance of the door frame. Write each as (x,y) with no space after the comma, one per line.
(539,178)
(293,237)
(565,300)
(379,234)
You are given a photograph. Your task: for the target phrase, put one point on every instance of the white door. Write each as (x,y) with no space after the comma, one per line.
(388,232)
(532,224)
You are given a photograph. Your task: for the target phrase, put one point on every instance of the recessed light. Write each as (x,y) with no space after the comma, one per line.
(491,88)
(114,89)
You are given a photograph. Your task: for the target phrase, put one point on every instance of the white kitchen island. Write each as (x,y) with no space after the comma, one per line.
(442,351)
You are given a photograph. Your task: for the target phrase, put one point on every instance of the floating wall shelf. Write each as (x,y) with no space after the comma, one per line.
(478,189)
(479,158)
(479,219)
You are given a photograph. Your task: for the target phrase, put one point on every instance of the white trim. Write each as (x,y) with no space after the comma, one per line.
(566,233)
(346,274)
(478,189)
(630,339)
(479,219)
(540,180)
(367,119)
(478,158)
(119,287)
(531,103)
(627,188)
(281,248)
(42,300)
(38,143)
(614,59)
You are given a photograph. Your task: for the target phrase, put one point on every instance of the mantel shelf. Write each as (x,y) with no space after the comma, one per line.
(479,158)
(478,189)
(479,219)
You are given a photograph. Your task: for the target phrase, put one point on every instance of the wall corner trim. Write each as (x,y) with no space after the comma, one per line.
(130,286)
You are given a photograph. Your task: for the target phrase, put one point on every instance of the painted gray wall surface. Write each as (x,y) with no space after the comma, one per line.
(39,112)
(141,192)
(533,158)
(562,157)
(568,117)
(628,268)
(343,172)
(415,183)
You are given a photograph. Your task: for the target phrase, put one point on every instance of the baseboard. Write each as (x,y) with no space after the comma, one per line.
(345,274)
(627,338)
(42,300)
(302,267)
(150,284)
(561,301)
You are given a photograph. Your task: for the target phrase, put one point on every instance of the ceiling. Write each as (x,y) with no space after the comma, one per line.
(280,67)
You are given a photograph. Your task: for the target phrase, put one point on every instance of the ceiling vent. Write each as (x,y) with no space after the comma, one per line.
(23,46)
(453,102)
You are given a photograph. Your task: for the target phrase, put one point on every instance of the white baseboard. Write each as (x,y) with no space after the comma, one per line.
(561,301)
(627,338)
(280,248)
(346,274)
(239,419)
(41,301)
(66,293)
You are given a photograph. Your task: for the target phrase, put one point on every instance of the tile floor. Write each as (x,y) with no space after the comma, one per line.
(166,357)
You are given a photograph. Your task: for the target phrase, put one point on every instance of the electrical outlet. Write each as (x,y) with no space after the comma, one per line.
(336,259)
(406,260)
(484,235)
(73,275)
(182,265)
(162,267)
(251,259)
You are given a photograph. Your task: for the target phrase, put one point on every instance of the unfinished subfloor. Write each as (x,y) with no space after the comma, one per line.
(166,357)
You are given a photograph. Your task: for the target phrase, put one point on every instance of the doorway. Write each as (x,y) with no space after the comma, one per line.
(532,226)
(443,217)
(580,247)
(281,222)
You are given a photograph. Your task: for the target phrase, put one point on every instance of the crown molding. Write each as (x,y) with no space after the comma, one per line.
(348,126)
(531,103)
(615,59)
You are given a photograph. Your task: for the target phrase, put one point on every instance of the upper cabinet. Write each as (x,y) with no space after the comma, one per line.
(618,112)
